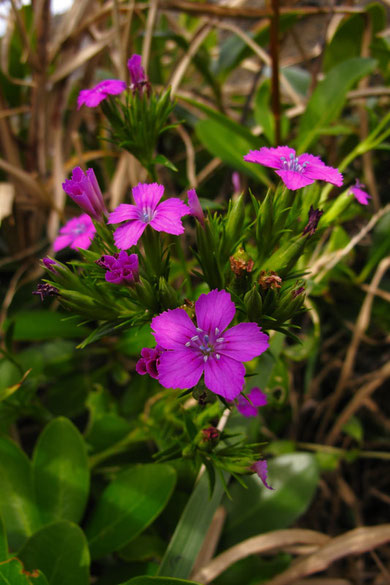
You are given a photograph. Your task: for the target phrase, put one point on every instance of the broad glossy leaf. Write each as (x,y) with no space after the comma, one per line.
(128,505)
(17,505)
(60,472)
(329,98)
(60,551)
(146,580)
(12,573)
(294,478)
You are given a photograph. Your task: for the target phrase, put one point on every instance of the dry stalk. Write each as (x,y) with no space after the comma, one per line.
(361,326)
(152,14)
(264,543)
(190,159)
(354,542)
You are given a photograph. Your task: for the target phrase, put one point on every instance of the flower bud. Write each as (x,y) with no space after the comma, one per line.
(234,225)
(254,304)
(84,189)
(167,294)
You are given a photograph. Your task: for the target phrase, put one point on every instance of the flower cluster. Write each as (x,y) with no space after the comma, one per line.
(121,268)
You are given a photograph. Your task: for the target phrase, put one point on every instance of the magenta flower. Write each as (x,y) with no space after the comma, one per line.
(139,79)
(84,189)
(360,195)
(162,217)
(92,97)
(257,398)
(208,347)
(260,467)
(121,268)
(195,207)
(76,233)
(295,171)
(149,361)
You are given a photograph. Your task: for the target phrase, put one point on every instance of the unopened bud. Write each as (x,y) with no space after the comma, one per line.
(254,304)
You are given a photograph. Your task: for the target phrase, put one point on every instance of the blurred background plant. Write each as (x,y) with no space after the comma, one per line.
(315,77)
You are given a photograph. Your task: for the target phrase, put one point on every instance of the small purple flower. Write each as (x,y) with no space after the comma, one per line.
(163,217)
(46,290)
(76,233)
(149,361)
(314,218)
(361,195)
(195,207)
(49,263)
(256,397)
(121,268)
(84,189)
(260,467)
(295,171)
(139,79)
(92,97)
(208,347)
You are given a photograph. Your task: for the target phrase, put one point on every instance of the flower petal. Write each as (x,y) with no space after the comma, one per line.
(260,467)
(316,169)
(294,180)
(214,310)
(270,157)
(83,241)
(359,194)
(224,377)
(243,342)
(180,368)
(123,212)
(257,397)
(127,235)
(147,195)
(167,217)
(62,241)
(173,329)
(245,408)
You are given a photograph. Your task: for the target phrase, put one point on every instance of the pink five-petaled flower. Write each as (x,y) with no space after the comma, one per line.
(208,347)
(121,268)
(295,171)
(361,195)
(257,398)
(76,233)
(92,97)
(84,189)
(195,207)
(260,467)
(162,217)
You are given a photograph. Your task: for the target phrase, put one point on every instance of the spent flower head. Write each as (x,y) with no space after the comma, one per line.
(84,189)
(295,171)
(92,97)
(139,81)
(46,290)
(162,217)
(78,232)
(359,193)
(261,468)
(207,348)
(314,218)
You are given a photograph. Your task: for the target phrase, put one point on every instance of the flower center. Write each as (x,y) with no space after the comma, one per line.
(206,343)
(78,229)
(292,164)
(146,214)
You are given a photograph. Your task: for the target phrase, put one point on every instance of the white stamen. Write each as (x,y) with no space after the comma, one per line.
(195,338)
(199,329)
(188,344)
(216,331)
(220,339)
(205,358)
(217,356)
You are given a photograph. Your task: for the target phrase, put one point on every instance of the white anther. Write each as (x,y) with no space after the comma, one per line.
(205,358)
(195,338)
(217,356)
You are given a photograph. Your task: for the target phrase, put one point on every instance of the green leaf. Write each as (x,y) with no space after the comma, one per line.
(329,98)
(146,580)
(3,542)
(17,505)
(12,573)
(191,529)
(163,160)
(294,478)
(128,505)
(346,42)
(60,472)
(40,324)
(60,551)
